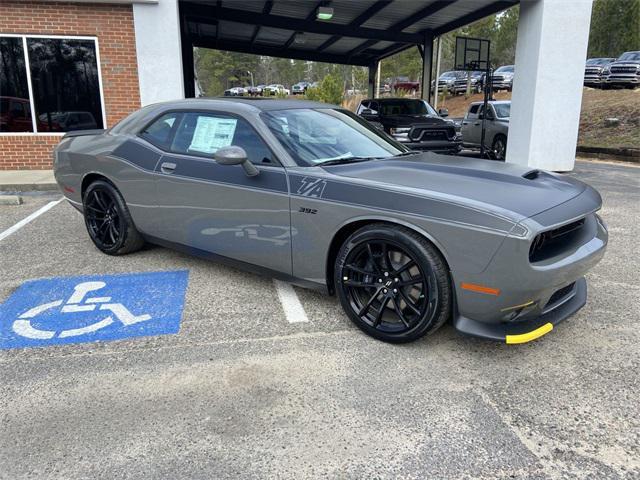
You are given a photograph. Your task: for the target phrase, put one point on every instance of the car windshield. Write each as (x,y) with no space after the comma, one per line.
(449,75)
(506,68)
(503,110)
(406,107)
(630,56)
(598,61)
(317,136)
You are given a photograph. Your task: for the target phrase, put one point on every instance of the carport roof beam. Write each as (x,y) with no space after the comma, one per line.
(290,23)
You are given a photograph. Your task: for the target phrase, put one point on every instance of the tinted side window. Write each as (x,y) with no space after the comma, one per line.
(160,132)
(202,134)
(374,107)
(64,77)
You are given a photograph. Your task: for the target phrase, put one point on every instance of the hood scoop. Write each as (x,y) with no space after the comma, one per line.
(532,174)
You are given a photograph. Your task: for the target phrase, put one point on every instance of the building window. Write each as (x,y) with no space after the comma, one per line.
(63,79)
(15,109)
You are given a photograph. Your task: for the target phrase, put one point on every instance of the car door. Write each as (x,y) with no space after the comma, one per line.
(219,208)
(471,127)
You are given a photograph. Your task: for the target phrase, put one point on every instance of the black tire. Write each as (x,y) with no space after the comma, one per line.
(402,295)
(108,220)
(499,147)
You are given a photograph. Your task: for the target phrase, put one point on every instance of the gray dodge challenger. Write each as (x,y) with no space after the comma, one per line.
(312,194)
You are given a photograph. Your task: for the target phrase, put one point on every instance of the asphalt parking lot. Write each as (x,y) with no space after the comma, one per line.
(245,391)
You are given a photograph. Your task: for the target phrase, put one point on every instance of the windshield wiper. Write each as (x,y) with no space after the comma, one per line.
(339,161)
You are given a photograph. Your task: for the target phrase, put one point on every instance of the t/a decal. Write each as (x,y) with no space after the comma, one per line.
(312,187)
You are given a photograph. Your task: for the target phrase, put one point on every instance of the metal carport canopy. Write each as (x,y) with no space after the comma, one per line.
(361,32)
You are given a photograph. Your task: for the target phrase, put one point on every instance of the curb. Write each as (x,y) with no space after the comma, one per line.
(28,187)
(631,155)
(10,200)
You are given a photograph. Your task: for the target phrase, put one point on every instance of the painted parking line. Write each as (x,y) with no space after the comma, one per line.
(293,309)
(28,219)
(63,310)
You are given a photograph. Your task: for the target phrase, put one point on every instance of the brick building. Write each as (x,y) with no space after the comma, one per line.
(71,63)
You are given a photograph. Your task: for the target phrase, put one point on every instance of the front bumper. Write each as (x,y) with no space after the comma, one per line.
(622,79)
(514,294)
(501,85)
(592,80)
(522,332)
(436,146)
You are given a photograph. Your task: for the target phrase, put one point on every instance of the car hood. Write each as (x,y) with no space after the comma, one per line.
(514,191)
(409,120)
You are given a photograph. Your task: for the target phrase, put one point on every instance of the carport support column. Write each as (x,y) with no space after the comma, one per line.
(427,60)
(547,91)
(159,51)
(371,89)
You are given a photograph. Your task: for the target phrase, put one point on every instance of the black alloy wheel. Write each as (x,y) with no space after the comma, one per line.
(108,220)
(392,283)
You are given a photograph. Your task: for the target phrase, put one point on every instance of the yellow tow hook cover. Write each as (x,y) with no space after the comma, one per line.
(527,337)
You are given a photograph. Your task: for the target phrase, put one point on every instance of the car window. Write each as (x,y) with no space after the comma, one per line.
(473,110)
(363,105)
(313,136)
(202,134)
(160,132)
(373,106)
(503,110)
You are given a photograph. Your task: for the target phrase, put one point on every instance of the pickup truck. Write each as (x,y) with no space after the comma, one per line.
(593,71)
(412,122)
(496,127)
(624,72)
(403,83)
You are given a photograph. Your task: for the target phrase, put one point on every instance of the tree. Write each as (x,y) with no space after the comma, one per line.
(615,27)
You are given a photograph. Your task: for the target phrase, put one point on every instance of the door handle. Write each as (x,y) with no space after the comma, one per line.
(167,167)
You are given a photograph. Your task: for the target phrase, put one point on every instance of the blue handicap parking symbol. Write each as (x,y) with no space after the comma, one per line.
(93,308)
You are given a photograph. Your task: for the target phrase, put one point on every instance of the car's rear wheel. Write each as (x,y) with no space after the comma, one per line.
(108,220)
(499,147)
(392,283)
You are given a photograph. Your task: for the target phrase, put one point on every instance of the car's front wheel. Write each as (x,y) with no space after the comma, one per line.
(108,220)
(392,283)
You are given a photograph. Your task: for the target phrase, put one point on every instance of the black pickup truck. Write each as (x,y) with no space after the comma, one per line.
(413,122)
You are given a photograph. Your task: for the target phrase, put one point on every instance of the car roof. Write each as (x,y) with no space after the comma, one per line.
(493,102)
(388,99)
(248,103)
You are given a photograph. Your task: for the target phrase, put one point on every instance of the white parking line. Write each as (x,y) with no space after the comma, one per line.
(293,309)
(31,217)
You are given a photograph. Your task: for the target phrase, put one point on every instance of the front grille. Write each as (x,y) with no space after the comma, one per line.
(625,69)
(560,295)
(591,71)
(429,134)
(548,243)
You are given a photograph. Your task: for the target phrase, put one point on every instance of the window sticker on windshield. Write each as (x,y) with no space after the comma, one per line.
(212,133)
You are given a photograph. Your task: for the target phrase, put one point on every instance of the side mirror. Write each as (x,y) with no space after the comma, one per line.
(235,156)
(443,112)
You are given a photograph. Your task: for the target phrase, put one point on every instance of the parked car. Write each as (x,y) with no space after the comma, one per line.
(412,122)
(254,90)
(496,127)
(403,83)
(274,89)
(593,71)
(502,78)
(68,121)
(407,240)
(446,81)
(300,88)
(15,115)
(235,92)
(477,82)
(624,72)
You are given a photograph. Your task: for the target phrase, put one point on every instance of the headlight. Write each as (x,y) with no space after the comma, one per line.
(401,134)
